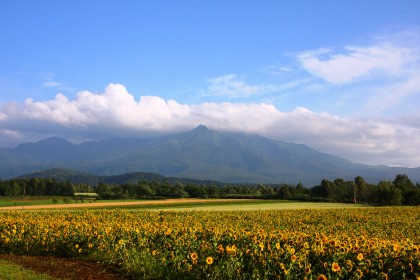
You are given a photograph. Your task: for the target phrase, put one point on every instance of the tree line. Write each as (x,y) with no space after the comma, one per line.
(401,191)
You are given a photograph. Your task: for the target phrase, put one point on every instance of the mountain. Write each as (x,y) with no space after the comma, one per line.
(200,154)
(64,175)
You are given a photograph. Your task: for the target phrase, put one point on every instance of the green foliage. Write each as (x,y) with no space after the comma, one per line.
(399,192)
(67,200)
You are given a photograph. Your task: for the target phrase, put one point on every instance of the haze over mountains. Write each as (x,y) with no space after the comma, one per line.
(200,153)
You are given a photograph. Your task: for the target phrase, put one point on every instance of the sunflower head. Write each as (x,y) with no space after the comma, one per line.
(335,267)
(321,277)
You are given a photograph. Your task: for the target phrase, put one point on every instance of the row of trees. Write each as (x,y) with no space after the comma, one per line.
(401,191)
(146,189)
(41,187)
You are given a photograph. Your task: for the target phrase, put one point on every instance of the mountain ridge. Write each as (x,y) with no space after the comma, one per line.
(78,177)
(200,153)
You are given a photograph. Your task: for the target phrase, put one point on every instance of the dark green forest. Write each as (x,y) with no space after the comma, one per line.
(401,191)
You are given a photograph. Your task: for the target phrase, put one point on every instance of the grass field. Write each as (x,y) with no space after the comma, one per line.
(19,201)
(263,205)
(239,205)
(42,200)
(11,271)
(33,200)
(27,203)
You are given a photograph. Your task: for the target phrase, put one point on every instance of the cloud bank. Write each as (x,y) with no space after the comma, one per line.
(116,113)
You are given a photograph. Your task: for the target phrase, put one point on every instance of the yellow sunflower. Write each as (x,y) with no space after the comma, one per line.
(335,267)
(321,277)
(220,248)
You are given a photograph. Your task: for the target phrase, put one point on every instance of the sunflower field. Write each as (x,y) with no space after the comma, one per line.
(353,243)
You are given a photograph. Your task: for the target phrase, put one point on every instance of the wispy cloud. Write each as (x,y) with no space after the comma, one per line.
(116,112)
(358,62)
(233,86)
(52,84)
(379,76)
(384,97)
(276,70)
(49,81)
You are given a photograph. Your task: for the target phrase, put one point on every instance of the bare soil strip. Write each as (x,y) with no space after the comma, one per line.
(64,269)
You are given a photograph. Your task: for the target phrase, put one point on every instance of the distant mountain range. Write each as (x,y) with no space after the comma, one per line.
(199,154)
(64,175)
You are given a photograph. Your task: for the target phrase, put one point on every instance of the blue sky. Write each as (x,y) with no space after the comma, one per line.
(340,76)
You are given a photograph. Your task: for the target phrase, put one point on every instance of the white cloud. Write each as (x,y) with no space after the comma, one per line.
(358,62)
(232,86)
(377,78)
(114,108)
(50,82)
(10,134)
(387,96)
(276,70)
(116,113)
(2,116)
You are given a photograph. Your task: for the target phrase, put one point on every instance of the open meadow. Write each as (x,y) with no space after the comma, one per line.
(168,204)
(226,239)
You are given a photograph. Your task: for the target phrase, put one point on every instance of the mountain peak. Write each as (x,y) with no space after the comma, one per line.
(199,153)
(54,140)
(200,129)
(48,143)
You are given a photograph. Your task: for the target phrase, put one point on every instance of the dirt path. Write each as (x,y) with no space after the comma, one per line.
(65,269)
(104,204)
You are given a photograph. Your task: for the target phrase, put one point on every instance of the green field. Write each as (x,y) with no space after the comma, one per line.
(47,200)
(180,205)
(242,205)
(11,271)
(31,200)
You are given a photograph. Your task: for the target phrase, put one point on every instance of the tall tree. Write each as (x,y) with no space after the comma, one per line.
(360,189)
(407,188)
